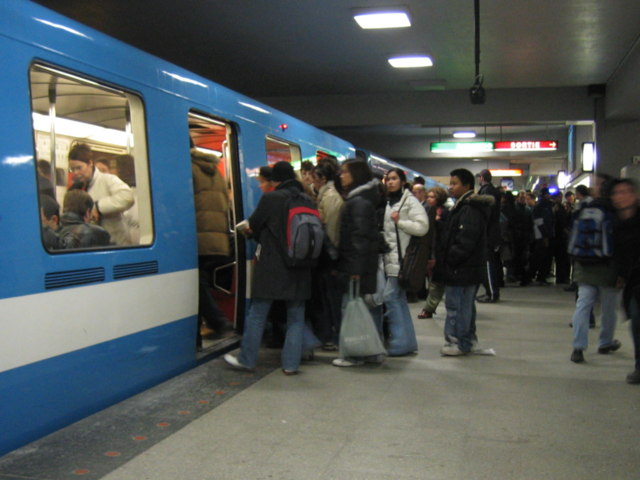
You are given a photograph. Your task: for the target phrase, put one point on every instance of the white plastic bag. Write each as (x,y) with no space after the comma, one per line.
(358,333)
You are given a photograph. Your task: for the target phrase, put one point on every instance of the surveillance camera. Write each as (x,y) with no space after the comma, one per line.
(477,95)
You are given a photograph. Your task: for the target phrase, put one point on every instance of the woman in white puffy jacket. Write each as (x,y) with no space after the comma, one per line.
(406,213)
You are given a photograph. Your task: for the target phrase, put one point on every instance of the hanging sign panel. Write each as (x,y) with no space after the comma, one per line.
(528,146)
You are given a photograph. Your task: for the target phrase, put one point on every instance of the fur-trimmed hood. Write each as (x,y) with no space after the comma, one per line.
(484,203)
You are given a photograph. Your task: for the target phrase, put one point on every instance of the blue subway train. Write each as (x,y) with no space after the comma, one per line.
(84,328)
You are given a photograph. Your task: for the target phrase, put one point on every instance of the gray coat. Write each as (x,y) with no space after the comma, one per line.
(272,279)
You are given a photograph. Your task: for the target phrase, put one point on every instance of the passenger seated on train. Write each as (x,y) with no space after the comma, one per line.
(50,220)
(78,207)
(111,195)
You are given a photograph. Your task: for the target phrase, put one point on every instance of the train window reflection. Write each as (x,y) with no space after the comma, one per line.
(282,151)
(90,138)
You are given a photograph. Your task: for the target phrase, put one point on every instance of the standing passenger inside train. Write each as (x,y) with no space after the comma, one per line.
(272,278)
(404,217)
(211,200)
(111,195)
(461,259)
(78,207)
(358,246)
(330,205)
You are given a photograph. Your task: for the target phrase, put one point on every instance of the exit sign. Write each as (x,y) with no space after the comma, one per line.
(526,146)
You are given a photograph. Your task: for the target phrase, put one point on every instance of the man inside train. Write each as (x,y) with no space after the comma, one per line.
(77,208)
(50,220)
(111,195)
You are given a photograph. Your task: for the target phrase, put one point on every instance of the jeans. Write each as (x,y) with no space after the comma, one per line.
(298,338)
(402,335)
(587,296)
(460,303)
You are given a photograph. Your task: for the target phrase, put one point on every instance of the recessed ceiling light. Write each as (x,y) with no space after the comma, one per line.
(391,17)
(466,134)
(411,61)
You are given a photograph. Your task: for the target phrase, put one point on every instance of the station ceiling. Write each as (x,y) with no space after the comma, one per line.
(276,49)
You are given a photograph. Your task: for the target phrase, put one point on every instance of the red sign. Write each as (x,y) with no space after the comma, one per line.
(528,146)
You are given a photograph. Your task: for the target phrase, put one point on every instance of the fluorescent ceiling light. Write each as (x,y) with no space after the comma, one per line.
(73,128)
(376,18)
(464,134)
(412,61)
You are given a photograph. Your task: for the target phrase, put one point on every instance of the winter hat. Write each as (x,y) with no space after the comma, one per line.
(282,171)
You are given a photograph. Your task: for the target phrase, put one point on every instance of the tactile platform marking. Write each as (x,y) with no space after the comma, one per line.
(97,445)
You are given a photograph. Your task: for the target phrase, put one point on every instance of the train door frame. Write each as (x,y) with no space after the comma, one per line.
(231,155)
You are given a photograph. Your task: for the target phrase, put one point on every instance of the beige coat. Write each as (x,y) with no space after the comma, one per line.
(113,197)
(330,205)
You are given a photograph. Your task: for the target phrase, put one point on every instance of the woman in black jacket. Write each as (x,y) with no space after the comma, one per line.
(358,235)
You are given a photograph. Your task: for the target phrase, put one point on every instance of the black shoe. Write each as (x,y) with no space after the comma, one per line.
(524,283)
(571,288)
(612,347)
(634,377)
(577,356)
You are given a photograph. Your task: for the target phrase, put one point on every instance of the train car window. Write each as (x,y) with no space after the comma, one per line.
(212,163)
(283,151)
(93,137)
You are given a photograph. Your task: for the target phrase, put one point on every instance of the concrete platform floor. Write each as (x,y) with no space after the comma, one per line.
(526,413)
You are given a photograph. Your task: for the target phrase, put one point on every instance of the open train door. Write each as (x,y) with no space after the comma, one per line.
(213,136)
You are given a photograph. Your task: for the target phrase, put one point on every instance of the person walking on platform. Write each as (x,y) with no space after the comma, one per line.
(626,255)
(461,260)
(493,274)
(404,217)
(273,279)
(595,273)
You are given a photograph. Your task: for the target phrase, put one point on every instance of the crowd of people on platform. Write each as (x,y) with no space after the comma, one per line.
(488,238)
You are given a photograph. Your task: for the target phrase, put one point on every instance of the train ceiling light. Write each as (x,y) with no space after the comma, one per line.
(387,17)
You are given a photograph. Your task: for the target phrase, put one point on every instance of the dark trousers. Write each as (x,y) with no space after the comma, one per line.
(563,262)
(540,263)
(328,328)
(520,259)
(634,313)
(493,274)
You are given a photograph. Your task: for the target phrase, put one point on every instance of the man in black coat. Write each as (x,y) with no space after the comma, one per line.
(461,260)
(78,207)
(493,275)
(272,278)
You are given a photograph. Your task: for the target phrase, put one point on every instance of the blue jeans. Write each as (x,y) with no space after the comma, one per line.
(460,304)
(298,337)
(587,296)
(402,334)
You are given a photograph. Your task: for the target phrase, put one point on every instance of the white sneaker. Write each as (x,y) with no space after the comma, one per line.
(452,351)
(343,362)
(234,363)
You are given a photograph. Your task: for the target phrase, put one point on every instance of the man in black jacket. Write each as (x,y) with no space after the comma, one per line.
(78,208)
(493,275)
(461,260)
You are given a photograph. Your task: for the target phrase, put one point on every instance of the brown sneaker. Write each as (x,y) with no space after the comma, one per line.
(425,314)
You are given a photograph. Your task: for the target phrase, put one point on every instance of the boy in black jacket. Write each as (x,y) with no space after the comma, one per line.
(462,258)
